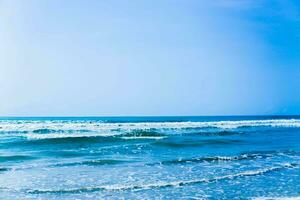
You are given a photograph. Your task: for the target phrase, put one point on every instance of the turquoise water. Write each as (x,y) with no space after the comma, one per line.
(150,158)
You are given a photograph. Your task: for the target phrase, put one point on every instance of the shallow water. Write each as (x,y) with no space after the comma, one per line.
(150,158)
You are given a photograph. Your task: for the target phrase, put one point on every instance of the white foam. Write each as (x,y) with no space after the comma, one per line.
(57,127)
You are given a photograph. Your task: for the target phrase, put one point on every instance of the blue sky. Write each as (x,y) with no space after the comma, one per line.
(170,57)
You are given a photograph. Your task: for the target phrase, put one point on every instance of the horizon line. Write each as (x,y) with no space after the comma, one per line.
(115,116)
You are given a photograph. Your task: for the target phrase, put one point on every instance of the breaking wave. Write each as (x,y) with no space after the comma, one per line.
(44,127)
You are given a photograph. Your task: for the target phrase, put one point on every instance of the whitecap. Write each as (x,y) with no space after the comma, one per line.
(59,128)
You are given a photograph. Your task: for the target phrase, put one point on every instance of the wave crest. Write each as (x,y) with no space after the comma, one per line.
(39,127)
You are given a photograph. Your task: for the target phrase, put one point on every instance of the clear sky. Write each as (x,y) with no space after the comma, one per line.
(157,57)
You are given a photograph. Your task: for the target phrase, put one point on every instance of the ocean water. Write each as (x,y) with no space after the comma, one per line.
(150,158)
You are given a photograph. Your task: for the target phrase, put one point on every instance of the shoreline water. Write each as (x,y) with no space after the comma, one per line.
(156,158)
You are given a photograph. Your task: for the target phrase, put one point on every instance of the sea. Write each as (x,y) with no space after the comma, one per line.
(225,157)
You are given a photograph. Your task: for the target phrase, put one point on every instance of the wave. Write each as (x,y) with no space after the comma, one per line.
(88,137)
(60,134)
(167,162)
(54,140)
(47,130)
(41,127)
(252,155)
(215,159)
(64,135)
(160,185)
(143,133)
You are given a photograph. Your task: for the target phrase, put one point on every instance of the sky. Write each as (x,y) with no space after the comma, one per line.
(139,57)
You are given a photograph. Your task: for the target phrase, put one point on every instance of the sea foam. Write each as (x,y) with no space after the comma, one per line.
(44,127)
